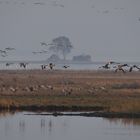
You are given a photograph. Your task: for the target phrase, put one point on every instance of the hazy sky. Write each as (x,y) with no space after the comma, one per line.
(105,29)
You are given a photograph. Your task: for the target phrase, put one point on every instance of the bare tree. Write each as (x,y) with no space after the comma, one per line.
(61,45)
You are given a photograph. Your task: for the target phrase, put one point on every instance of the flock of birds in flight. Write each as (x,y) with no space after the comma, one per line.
(108,66)
(4,52)
(54,3)
(120,67)
(57,3)
(43,66)
(43,51)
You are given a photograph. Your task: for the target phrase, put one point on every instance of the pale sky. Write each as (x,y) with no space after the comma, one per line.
(105,29)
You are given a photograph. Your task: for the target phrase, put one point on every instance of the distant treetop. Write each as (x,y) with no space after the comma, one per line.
(61,45)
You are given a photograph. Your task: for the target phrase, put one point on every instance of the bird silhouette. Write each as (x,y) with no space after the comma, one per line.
(39,3)
(40,52)
(43,44)
(106,66)
(9,49)
(132,67)
(43,51)
(56,4)
(66,66)
(51,65)
(3,52)
(22,64)
(120,68)
(8,64)
(43,66)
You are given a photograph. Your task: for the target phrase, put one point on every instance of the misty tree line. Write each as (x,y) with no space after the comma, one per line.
(61,45)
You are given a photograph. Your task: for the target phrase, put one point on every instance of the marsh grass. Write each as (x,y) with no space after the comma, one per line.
(108,104)
(133,85)
(91,90)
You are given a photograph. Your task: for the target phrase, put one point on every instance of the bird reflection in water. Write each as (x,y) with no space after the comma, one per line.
(50,126)
(22,126)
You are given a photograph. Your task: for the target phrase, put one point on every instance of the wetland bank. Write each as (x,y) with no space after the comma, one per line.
(70,90)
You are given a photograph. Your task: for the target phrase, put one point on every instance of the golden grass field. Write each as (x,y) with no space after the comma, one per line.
(103,90)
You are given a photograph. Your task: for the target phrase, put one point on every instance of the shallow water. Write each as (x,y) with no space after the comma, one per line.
(19,126)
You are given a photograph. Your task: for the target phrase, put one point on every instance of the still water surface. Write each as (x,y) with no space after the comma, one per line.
(19,126)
